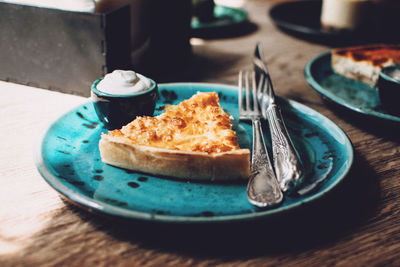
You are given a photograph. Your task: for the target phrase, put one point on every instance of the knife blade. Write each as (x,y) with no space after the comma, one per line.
(289,169)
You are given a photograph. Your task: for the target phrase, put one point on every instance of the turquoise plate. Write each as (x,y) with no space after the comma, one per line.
(349,93)
(68,159)
(224,17)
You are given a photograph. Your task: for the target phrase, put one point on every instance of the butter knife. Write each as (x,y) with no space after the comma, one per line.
(288,167)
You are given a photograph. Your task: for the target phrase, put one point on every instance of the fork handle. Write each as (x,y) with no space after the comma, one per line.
(263,189)
(288,167)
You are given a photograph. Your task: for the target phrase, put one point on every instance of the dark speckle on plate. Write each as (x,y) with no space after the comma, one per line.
(64,152)
(168,96)
(142,179)
(78,183)
(222,96)
(98,177)
(80,115)
(92,125)
(133,184)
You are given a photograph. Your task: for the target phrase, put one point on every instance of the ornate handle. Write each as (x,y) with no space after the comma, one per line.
(263,189)
(288,167)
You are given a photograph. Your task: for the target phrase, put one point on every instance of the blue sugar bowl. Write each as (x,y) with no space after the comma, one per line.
(389,88)
(117,110)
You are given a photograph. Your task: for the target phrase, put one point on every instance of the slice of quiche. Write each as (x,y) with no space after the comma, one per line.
(191,140)
(364,63)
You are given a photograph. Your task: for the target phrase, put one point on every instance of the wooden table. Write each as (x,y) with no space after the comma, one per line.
(358,224)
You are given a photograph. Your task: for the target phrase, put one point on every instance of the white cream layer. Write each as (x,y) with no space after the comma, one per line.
(123,82)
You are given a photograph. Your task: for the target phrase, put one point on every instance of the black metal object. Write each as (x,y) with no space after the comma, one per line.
(62,50)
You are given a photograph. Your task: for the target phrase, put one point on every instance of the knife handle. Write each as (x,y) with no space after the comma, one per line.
(288,167)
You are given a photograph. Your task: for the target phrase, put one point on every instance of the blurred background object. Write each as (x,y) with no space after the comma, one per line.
(217,19)
(203,10)
(138,13)
(159,33)
(339,22)
(72,5)
(345,14)
(63,50)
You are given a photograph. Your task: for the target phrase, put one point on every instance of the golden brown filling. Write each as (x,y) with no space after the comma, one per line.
(197,124)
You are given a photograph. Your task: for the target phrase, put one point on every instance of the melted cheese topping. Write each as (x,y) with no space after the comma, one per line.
(197,124)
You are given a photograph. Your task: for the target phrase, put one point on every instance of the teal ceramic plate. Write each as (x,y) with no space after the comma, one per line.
(343,91)
(224,17)
(68,159)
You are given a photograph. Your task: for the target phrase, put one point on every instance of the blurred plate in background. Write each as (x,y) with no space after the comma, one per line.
(302,20)
(348,93)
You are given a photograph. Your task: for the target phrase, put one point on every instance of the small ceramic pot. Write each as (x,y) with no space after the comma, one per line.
(115,111)
(389,88)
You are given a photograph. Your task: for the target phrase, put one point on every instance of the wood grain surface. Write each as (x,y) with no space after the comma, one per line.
(358,224)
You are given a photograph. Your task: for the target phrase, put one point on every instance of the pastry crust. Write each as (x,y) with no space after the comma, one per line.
(364,63)
(121,152)
(121,149)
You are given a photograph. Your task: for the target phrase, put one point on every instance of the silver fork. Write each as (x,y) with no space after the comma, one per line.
(263,189)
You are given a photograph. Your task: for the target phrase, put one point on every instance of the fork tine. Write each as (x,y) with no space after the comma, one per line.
(254,92)
(260,91)
(252,89)
(240,93)
(247,86)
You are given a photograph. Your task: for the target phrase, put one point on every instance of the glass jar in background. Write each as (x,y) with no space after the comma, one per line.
(160,32)
(345,14)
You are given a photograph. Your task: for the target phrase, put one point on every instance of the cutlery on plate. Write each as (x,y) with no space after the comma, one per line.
(263,188)
(288,167)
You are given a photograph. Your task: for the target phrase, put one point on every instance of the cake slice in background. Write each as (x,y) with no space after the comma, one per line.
(364,63)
